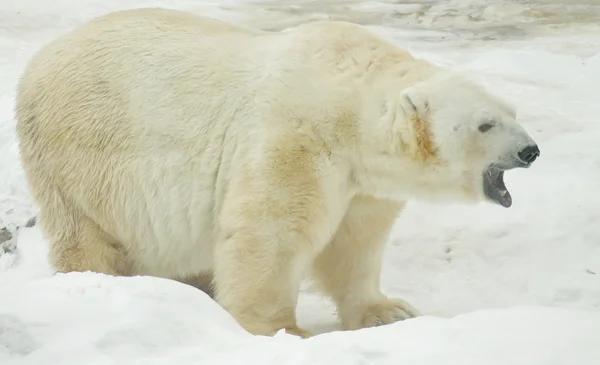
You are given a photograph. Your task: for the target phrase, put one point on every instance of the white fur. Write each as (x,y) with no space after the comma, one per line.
(162,143)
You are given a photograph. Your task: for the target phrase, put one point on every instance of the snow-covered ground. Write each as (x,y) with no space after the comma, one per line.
(499,286)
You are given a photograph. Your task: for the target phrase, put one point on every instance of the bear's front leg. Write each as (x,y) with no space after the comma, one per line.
(257,278)
(272,225)
(349,268)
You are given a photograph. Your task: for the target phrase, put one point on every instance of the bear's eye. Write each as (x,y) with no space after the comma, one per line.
(485,127)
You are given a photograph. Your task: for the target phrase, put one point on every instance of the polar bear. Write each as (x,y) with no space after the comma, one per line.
(158,142)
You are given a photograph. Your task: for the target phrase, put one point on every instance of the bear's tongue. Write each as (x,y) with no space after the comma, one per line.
(494,187)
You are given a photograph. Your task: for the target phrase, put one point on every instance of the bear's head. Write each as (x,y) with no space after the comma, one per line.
(452,141)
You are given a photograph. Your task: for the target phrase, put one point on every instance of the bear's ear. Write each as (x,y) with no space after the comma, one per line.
(414,103)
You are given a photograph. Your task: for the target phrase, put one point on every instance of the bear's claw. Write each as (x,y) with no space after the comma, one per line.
(383,312)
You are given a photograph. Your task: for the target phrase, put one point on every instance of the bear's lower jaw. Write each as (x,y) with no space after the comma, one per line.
(494,187)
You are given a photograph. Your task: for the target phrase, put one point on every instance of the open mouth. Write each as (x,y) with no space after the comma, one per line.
(494,188)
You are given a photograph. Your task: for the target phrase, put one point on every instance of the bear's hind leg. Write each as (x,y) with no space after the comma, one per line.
(349,268)
(76,242)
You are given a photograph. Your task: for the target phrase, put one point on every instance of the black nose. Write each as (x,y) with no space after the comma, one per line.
(529,153)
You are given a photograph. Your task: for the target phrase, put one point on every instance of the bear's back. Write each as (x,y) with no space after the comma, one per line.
(131,67)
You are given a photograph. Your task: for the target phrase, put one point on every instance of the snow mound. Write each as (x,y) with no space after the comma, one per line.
(87,318)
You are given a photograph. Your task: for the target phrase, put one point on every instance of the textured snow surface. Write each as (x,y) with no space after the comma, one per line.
(499,286)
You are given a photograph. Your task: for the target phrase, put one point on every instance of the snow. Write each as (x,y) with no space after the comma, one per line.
(499,286)
(156,321)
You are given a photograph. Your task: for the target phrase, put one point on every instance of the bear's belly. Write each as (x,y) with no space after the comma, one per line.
(175,259)
(168,222)
(181,227)
(171,241)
